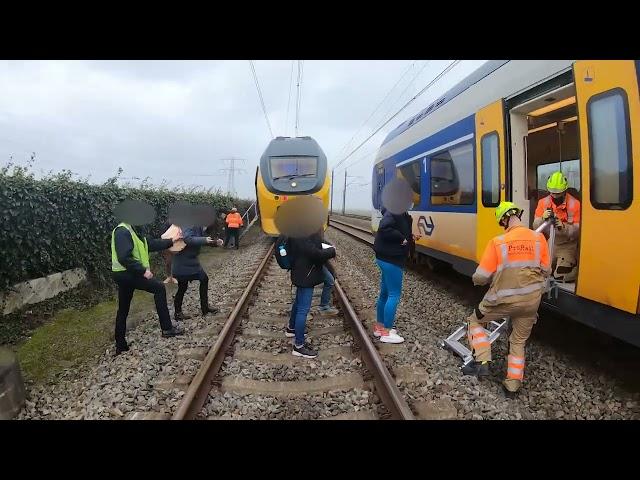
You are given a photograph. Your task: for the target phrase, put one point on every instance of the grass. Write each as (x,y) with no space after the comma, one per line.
(73,338)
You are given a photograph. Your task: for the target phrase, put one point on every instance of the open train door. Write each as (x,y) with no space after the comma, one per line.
(490,165)
(609,116)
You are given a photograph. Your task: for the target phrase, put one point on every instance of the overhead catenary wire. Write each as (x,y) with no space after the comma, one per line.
(286,121)
(415,77)
(438,77)
(264,109)
(299,96)
(346,145)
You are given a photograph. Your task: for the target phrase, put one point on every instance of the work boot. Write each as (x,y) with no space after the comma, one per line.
(175,331)
(210,309)
(508,393)
(181,317)
(477,369)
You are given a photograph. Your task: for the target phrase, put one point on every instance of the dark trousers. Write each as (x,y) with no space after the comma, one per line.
(127,284)
(183,283)
(235,233)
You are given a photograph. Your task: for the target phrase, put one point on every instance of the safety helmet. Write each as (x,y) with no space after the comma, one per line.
(505,210)
(557,183)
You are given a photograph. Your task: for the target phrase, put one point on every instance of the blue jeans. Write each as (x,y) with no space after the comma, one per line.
(390,290)
(325,298)
(299,311)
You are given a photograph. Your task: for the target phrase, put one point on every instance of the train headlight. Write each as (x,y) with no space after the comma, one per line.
(294,184)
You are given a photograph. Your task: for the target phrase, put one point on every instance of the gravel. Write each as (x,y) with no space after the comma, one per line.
(119,385)
(309,407)
(561,381)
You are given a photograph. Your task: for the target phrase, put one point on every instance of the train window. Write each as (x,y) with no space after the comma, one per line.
(291,167)
(412,173)
(490,170)
(453,176)
(610,148)
(570,168)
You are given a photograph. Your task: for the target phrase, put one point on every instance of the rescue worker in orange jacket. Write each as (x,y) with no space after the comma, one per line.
(517,264)
(234,222)
(566,210)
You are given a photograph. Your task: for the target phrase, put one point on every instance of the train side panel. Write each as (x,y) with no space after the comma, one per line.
(609,115)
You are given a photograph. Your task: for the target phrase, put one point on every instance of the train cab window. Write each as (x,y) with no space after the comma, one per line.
(293,167)
(609,143)
(412,173)
(490,170)
(453,176)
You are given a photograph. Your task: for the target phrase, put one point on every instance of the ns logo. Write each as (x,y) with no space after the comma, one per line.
(424,227)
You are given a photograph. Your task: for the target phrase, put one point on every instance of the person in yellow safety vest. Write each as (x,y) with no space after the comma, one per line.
(234,222)
(130,270)
(566,210)
(517,264)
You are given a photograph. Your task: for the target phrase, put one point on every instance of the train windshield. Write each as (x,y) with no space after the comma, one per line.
(292,167)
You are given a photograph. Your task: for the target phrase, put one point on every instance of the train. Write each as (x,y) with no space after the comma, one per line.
(290,167)
(497,135)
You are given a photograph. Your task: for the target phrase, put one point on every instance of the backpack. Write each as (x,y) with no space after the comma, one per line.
(283,252)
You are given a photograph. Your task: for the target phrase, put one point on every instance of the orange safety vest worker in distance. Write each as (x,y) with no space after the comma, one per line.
(565,254)
(234,220)
(516,263)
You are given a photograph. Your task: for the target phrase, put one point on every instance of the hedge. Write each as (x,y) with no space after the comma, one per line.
(56,223)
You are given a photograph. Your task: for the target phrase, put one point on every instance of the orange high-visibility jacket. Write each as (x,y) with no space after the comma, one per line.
(234,220)
(568,213)
(517,262)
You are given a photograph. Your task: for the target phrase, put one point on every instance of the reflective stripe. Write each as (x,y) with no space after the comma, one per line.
(519,264)
(503,252)
(482,272)
(547,201)
(515,374)
(477,331)
(477,346)
(507,292)
(516,360)
(537,254)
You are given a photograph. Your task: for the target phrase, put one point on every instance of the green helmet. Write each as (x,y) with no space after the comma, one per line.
(557,183)
(506,209)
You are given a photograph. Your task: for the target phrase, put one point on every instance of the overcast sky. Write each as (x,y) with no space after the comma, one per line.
(177,120)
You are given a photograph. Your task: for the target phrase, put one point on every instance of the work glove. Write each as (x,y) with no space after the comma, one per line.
(547,213)
(559,224)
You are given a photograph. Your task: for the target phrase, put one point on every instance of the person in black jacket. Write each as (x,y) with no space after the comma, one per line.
(393,244)
(129,272)
(306,272)
(186,268)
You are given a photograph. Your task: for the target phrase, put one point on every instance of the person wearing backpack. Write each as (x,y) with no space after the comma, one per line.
(307,261)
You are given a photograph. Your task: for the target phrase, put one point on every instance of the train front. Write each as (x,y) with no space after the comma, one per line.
(290,167)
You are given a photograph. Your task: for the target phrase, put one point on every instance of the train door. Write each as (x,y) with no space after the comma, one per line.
(378,187)
(490,162)
(609,117)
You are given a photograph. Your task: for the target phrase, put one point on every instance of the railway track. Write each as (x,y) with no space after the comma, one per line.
(348,369)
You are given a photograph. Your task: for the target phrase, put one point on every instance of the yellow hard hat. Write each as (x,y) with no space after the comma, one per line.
(557,183)
(506,208)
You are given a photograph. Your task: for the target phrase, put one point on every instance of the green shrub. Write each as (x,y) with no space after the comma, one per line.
(57,223)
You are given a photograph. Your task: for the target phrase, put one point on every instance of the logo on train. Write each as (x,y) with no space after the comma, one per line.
(426,228)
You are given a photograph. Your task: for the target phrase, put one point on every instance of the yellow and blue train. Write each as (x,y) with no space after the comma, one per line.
(497,135)
(290,167)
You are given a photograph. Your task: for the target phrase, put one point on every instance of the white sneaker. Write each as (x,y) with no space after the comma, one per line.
(391,337)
